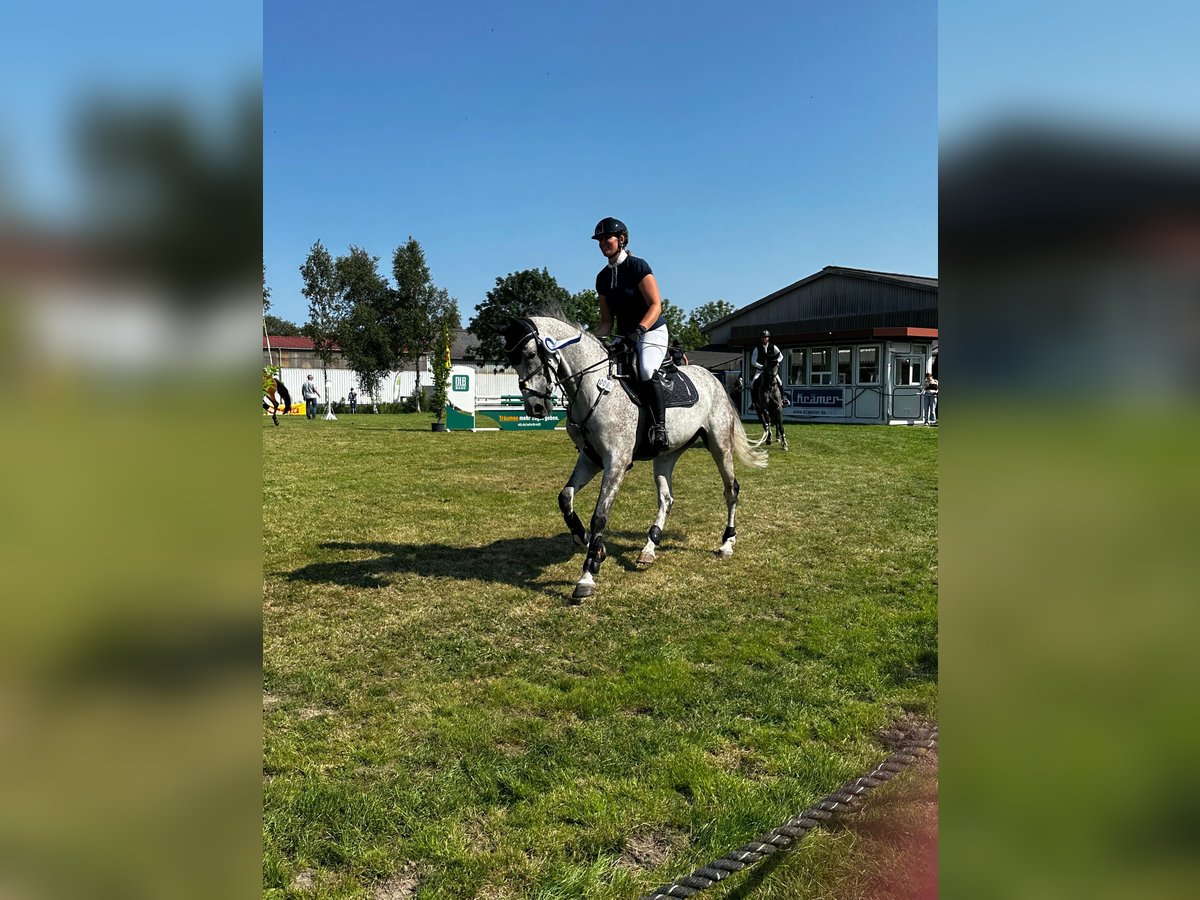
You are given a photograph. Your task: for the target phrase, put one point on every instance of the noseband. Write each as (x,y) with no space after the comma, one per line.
(513,351)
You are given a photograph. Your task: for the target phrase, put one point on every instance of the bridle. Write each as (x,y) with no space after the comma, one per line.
(547,347)
(514,350)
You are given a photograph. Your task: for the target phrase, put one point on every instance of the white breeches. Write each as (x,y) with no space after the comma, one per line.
(652,348)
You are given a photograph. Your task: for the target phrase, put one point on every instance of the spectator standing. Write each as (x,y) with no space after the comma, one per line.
(929,394)
(353,401)
(311,394)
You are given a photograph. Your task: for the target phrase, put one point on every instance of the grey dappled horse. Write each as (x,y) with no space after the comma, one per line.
(602,420)
(768,402)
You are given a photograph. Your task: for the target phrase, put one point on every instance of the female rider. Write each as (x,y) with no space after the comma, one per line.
(628,292)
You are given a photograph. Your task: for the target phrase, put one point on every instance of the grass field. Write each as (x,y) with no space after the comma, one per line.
(439,723)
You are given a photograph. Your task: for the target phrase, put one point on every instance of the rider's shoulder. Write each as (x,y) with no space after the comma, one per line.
(638,266)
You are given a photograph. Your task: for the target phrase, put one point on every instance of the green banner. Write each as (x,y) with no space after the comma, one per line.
(513,418)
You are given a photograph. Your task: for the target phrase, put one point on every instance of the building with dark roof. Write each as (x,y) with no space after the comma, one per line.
(857,343)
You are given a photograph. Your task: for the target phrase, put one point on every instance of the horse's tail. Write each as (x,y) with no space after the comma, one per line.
(283,392)
(748,454)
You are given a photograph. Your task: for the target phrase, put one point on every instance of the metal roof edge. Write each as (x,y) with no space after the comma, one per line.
(866,274)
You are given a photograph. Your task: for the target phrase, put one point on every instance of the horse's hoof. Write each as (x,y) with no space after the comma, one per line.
(723,553)
(582,592)
(645,559)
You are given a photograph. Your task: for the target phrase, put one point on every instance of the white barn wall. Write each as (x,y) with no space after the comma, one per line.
(395,387)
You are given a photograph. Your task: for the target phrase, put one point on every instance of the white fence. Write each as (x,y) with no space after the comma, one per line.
(395,387)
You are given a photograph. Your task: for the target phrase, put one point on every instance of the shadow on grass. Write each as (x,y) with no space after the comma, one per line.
(512,561)
(515,561)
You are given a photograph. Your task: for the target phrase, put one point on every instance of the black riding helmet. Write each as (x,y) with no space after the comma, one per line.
(608,226)
(765,334)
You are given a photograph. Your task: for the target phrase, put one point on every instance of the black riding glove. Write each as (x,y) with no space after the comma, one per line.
(639,332)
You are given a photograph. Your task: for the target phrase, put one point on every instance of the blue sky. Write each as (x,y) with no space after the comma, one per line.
(746,146)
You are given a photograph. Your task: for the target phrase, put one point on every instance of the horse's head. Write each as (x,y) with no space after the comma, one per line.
(535,369)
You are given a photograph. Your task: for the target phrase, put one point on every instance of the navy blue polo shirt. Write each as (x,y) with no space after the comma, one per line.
(625,301)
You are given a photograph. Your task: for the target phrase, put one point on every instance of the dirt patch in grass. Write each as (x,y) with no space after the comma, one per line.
(738,761)
(649,849)
(400,886)
(304,881)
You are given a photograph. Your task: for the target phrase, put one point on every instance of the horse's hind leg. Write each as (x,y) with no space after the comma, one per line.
(722,454)
(664,466)
(585,470)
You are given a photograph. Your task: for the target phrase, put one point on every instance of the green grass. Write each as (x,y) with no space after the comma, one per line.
(436,715)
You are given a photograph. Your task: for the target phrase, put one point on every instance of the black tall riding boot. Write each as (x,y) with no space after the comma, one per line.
(658,412)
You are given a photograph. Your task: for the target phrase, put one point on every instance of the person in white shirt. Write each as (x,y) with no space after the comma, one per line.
(765,351)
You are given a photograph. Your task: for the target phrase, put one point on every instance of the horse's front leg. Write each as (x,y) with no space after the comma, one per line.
(614,474)
(764,420)
(664,466)
(585,470)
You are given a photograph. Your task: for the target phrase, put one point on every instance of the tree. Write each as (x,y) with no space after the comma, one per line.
(282,327)
(441,369)
(266,291)
(326,308)
(369,328)
(674,316)
(690,336)
(701,318)
(423,308)
(516,294)
(707,313)
(366,347)
(584,308)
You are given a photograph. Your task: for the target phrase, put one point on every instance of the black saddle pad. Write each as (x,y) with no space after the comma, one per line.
(680,391)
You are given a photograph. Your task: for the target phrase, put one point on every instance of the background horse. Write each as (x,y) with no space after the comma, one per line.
(275,396)
(548,353)
(768,402)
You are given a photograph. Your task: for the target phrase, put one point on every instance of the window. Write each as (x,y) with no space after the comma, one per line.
(796,367)
(868,365)
(821,366)
(908,371)
(843,370)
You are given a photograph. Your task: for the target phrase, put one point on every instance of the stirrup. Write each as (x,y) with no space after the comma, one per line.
(658,437)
